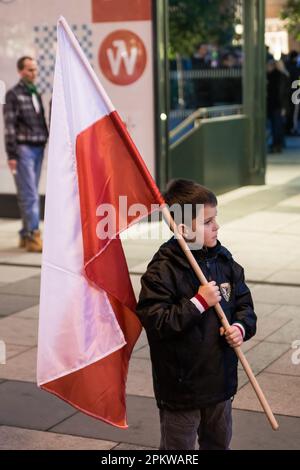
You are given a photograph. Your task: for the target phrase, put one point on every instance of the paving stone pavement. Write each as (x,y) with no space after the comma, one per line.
(261,226)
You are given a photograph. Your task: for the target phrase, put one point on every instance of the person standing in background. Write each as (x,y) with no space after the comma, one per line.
(26,135)
(277,102)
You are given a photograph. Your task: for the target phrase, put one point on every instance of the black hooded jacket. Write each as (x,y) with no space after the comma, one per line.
(192,365)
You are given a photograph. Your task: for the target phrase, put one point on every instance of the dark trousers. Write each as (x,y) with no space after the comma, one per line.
(277,128)
(212,425)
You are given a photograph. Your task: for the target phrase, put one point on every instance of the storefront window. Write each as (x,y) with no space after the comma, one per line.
(205,58)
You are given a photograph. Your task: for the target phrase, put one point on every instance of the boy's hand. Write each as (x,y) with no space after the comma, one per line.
(12,166)
(211,293)
(233,336)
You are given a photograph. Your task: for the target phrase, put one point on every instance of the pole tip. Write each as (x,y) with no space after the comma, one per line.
(274,424)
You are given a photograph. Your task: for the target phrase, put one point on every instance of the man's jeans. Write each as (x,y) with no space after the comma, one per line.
(211,424)
(27,180)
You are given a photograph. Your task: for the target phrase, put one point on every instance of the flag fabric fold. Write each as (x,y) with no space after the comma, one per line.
(87,325)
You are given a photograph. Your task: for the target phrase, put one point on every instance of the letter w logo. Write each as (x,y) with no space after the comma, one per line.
(122,55)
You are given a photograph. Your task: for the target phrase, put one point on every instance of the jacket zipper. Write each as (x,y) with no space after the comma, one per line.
(208,270)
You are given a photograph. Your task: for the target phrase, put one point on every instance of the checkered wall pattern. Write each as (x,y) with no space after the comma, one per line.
(45,43)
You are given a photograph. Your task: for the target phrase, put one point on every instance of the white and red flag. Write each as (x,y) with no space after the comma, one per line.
(87,325)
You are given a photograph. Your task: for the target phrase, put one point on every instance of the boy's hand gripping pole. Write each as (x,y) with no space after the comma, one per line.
(223,319)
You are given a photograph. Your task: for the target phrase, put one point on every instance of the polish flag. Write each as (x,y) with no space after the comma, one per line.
(87,325)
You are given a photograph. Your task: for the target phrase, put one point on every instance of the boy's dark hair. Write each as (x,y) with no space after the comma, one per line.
(187,192)
(20,63)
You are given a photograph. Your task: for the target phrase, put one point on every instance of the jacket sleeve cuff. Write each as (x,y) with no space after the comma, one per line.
(240,327)
(200,303)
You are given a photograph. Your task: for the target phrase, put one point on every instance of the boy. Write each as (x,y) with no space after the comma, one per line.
(193,361)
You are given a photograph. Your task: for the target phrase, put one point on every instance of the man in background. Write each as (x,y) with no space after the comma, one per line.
(26,135)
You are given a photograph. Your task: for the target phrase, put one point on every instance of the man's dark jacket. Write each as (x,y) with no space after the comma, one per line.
(192,365)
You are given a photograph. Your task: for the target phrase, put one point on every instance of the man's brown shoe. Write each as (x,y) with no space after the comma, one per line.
(22,242)
(34,242)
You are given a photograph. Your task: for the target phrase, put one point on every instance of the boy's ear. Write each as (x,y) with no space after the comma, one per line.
(182,229)
(185,232)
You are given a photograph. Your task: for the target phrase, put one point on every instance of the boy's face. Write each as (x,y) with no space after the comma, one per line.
(205,227)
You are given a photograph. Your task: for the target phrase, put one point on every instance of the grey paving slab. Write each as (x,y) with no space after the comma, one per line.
(24,405)
(142,353)
(25,259)
(281,391)
(295,263)
(259,261)
(139,380)
(264,309)
(291,312)
(248,206)
(11,274)
(291,229)
(242,378)
(3,222)
(285,276)
(252,431)
(262,221)
(21,367)
(137,259)
(286,334)
(10,224)
(140,268)
(132,261)
(143,423)
(278,295)
(136,284)
(253,273)
(28,313)
(288,364)
(141,342)
(9,255)
(264,354)
(10,303)
(13,438)
(26,287)
(276,241)
(22,332)
(249,344)
(269,325)
(13,350)
(132,447)
(236,241)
